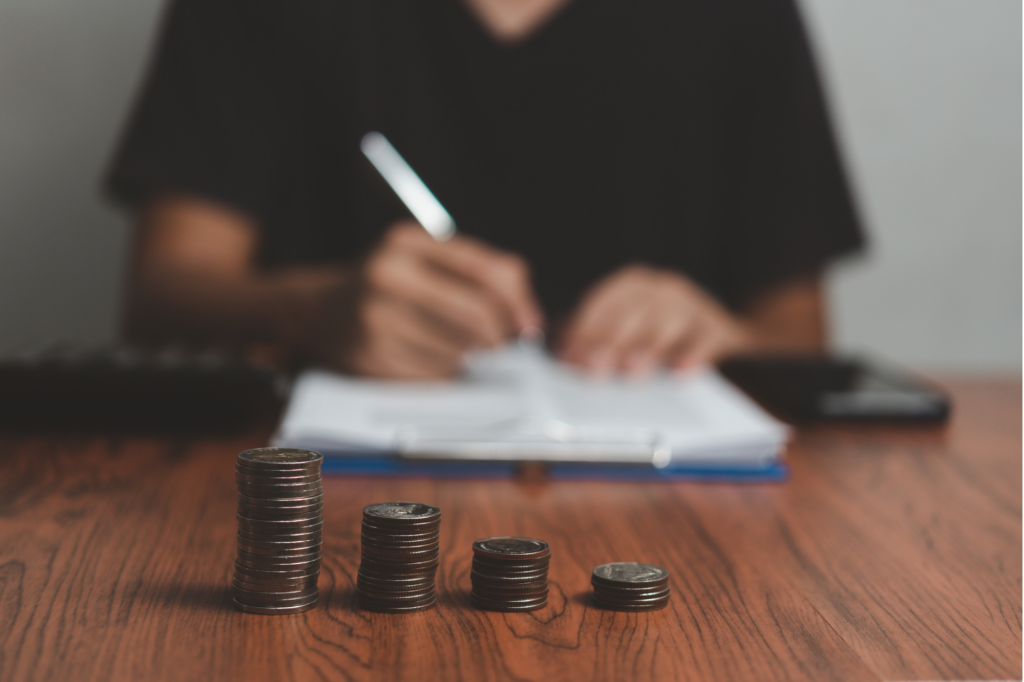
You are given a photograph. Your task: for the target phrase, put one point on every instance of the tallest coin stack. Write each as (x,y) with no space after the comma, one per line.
(280,521)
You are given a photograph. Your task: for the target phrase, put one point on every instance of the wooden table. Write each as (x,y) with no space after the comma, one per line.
(890,555)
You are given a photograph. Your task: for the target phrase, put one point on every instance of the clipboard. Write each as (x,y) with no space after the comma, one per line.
(513,407)
(565,452)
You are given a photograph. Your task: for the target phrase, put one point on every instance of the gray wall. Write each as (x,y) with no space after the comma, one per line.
(927,98)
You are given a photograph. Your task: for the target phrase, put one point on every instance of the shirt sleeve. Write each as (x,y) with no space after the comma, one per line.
(792,210)
(209,120)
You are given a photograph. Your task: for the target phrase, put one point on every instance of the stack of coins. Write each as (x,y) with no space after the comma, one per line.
(399,557)
(280,520)
(628,586)
(510,574)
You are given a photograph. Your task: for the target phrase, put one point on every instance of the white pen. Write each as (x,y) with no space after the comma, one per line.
(420,201)
(424,206)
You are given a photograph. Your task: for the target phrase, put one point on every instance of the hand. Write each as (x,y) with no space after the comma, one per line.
(418,305)
(640,317)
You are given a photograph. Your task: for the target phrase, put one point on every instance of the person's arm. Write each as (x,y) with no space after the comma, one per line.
(642,317)
(409,310)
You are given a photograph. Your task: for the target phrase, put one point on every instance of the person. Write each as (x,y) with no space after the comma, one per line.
(653,182)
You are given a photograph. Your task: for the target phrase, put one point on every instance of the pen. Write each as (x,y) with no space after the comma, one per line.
(420,201)
(424,206)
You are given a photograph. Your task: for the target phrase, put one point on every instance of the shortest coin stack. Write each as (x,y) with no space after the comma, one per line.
(628,586)
(280,523)
(510,574)
(399,557)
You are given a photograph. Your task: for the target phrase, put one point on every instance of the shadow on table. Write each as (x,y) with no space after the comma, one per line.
(454,598)
(582,599)
(202,597)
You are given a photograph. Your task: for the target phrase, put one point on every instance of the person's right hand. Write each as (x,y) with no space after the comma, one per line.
(420,304)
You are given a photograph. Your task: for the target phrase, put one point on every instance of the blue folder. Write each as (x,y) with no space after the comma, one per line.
(390,465)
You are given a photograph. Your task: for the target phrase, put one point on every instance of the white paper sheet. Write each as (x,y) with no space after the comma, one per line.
(699,416)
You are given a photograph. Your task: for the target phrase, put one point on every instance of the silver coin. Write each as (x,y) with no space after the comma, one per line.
(284,509)
(278,489)
(367,601)
(402,513)
(511,547)
(301,584)
(278,562)
(380,608)
(517,577)
(281,551)
(392,579)
(610,606)
(394,555)
(502,590)
(629,574)
(274,585)
(401,543)
(281,501)
(276,480)
(402,549)
(278,543)
(510,566)
(613,593)
(267,574)
(394,567)
(256,596)
(280,458)
(632,601)
(280,558)
(262,496)
(297,536)
(273,471)
(264,525)
(272,599)
(264,515)
(489,605)
(400,594)
(377,588)
(275,610)
(401,531)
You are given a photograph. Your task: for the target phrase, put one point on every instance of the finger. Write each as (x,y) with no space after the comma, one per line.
(676,321)
(431,341)
(666,342)
(398,344)
(504,276)
(701,349)
(625,338)
(658,343)
(389,358)
(587,338)
(467,312)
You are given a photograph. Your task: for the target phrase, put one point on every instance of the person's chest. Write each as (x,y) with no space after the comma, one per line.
(598,135)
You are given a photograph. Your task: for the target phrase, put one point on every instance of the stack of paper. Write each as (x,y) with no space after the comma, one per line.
(519,405)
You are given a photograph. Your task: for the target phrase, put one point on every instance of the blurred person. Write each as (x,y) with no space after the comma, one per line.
(655,181)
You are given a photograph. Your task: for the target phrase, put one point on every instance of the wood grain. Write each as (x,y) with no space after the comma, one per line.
(890,555)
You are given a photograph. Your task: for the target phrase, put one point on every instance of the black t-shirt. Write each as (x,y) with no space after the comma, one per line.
(686,134)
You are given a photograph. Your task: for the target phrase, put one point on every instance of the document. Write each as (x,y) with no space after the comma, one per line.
(518,404)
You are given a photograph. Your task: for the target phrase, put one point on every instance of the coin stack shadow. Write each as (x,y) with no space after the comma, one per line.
(280,525)
(510,574)
(400,543)
(628,586)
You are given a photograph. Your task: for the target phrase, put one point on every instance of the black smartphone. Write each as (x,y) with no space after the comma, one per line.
(824,388)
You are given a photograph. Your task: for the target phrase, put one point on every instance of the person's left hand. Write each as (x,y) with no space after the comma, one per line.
(641,317)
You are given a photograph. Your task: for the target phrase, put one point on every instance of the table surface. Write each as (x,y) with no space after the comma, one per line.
(891,554)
